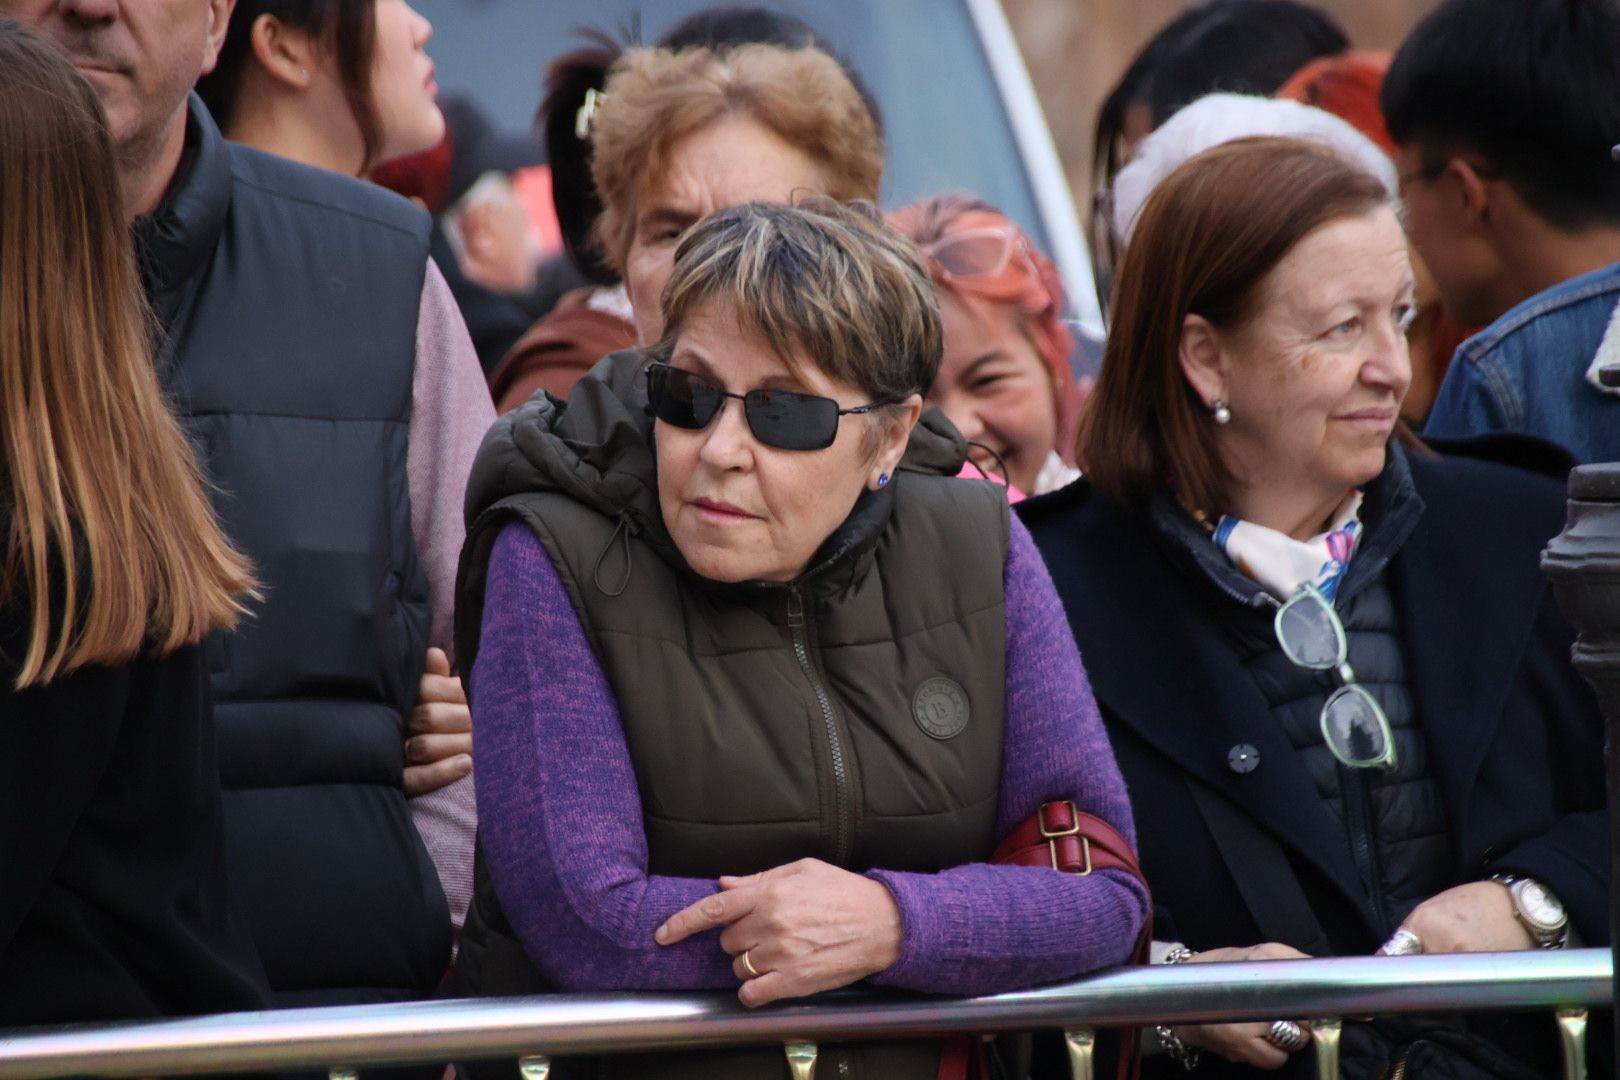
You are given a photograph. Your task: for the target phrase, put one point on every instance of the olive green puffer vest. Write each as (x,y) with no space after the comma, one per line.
(853,715)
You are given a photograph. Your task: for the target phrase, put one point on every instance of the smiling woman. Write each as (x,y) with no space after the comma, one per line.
(810,678)
(1005,378)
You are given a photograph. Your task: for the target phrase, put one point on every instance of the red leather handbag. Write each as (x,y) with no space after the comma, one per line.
(1062,837)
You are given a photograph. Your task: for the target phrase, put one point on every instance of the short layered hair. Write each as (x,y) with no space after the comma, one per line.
(821,278)
(1206,239)
(657,97)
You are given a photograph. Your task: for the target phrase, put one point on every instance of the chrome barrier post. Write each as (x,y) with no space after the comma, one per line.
(1572,1041)
(1082,1044)
(1325,1037)
(1583,564)
(534,1067)
(801,1057)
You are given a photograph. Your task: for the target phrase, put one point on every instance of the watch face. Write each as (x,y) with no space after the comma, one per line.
(1540,907)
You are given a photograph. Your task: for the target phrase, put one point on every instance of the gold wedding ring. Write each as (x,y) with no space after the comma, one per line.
(748,966)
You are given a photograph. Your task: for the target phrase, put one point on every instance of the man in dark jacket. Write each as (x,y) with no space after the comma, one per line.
(328,385)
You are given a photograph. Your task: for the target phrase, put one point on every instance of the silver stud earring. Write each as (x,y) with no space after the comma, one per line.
(1222,414)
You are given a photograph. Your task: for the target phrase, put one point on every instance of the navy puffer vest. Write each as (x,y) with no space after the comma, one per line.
(1394,823)
(288,301)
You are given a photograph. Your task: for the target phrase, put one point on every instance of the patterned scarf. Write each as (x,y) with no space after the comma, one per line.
(1281,564)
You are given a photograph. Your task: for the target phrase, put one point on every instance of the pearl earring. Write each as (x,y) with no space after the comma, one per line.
(1222,414)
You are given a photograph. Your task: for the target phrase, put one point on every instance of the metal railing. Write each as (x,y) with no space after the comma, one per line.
(347,1039)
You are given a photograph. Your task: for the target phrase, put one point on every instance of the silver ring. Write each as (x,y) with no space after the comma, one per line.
(1286,1036)
(1402,943)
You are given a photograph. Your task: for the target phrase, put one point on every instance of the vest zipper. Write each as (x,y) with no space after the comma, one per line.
(1358,797)
(835,745)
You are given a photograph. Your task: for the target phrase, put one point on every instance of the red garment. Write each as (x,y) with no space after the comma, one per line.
(558,349)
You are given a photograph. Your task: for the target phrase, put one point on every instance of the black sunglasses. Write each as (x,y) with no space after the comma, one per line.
(779,418)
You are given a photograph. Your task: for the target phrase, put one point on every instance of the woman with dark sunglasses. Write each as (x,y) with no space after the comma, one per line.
(1339,690)
(1004,378)
(759,686)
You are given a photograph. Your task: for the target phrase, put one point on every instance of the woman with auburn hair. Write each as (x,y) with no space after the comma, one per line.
(114,900)
(1338,687)
(1005,378)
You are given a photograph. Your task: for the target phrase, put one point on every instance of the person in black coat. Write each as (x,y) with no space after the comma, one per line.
(1333,674)
(113,898)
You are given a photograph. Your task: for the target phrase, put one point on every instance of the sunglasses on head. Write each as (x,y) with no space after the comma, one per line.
(974,253)
(780,418)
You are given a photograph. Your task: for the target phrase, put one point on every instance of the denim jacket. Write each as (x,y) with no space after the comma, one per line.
(1527,372)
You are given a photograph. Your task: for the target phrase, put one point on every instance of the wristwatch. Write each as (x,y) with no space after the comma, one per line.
(1538,909)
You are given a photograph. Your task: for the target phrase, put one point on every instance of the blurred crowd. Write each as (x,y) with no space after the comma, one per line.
(444,562)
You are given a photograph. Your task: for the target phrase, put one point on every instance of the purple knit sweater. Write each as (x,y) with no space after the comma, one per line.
(561,817)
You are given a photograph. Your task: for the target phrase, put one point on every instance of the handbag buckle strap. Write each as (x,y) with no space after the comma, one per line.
(1054,828)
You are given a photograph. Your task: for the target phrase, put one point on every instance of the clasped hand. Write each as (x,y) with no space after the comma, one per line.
(797,929)
(1476,917)
(438,743)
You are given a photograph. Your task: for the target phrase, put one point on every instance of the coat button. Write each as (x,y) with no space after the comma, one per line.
(1243,758)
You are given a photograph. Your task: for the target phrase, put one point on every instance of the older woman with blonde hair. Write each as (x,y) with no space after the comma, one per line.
(677,135)
(114,902)
(1337,684)
(760,686)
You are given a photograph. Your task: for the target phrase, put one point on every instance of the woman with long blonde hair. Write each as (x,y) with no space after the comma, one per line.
(112,570)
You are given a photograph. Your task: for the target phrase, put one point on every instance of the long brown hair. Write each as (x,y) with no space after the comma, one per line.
(108,521)
(1206,239)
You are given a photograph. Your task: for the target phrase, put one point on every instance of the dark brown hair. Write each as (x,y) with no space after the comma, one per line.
(101,502)
(345,28)
(1206,239)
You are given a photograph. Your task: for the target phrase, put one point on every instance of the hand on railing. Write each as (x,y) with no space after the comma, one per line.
(1259,1044)
(796,930)
(1477,917)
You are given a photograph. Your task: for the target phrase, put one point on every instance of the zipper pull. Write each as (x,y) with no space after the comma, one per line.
(795,608)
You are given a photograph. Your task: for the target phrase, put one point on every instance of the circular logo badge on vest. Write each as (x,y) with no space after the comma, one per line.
(940,707)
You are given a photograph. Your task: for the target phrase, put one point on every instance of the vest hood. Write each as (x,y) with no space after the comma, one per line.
(597,448)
